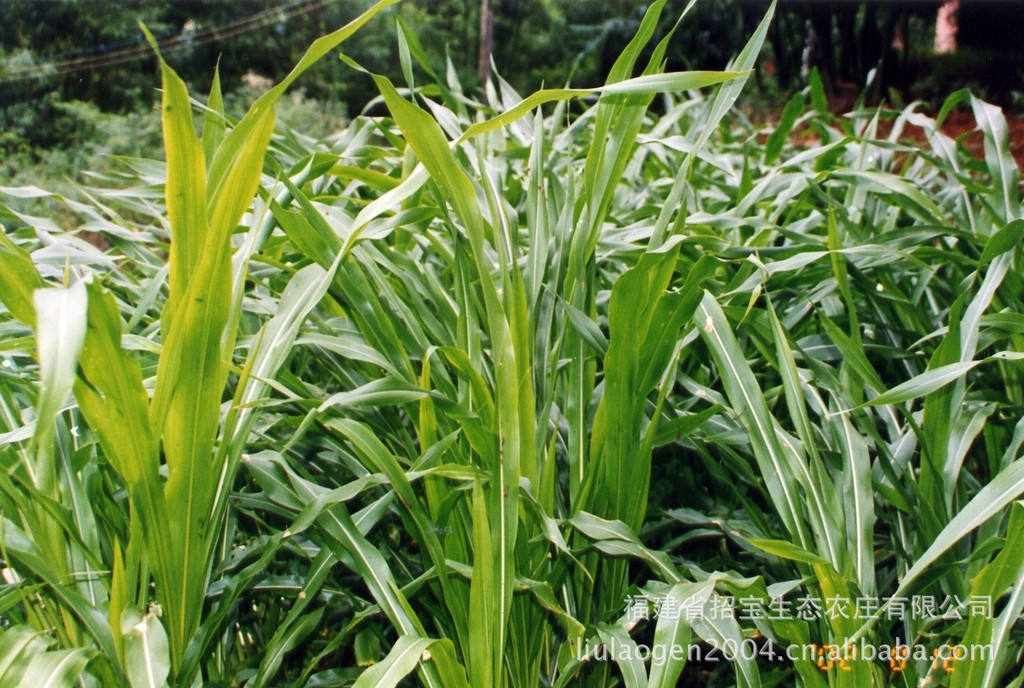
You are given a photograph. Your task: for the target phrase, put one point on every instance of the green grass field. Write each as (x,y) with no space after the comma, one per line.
(596,387)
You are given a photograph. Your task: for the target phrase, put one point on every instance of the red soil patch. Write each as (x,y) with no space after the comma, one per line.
(958,123)
(961,123)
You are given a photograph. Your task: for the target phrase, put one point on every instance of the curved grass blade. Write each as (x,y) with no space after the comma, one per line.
(748,401)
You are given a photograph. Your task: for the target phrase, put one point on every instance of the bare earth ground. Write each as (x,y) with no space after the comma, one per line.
(959,123)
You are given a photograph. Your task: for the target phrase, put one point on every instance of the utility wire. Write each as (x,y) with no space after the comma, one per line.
(142,50)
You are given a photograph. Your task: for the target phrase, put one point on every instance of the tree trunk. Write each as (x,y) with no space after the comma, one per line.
(486,41)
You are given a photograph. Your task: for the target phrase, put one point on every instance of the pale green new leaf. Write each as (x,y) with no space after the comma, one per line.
(404,657)
(673,634)
(146,650)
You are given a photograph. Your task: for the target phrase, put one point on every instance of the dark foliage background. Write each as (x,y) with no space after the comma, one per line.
(63,68)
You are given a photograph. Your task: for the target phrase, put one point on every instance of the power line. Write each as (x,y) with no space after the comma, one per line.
(167,45)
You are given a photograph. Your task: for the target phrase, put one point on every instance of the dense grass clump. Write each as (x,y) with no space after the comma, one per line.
(566,390)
